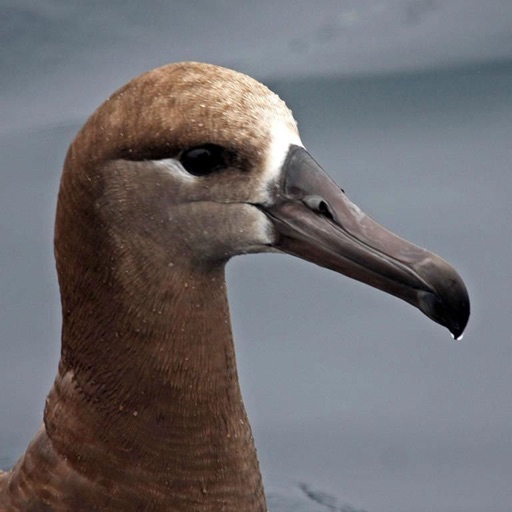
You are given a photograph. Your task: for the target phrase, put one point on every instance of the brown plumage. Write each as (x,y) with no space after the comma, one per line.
(146,412)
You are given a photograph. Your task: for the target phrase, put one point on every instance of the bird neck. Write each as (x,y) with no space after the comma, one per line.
(147,393)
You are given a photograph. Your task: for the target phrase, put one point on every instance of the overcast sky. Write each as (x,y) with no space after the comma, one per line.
(408,105)
(60,59)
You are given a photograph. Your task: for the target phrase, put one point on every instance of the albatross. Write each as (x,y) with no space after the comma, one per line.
(178,171)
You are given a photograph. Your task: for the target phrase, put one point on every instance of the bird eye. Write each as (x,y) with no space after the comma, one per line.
(203,160)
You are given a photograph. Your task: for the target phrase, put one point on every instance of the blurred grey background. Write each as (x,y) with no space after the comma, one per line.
(408,105)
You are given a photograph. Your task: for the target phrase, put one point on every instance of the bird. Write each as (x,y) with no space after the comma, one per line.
(181,169)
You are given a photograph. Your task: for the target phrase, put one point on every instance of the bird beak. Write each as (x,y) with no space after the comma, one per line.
(316,221)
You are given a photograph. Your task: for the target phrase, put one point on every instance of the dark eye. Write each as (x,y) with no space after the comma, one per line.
(202,160)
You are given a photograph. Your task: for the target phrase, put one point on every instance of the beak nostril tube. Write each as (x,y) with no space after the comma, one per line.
(325,210)
(319,205)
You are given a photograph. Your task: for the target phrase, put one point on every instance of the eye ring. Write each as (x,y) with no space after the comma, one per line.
(204,159)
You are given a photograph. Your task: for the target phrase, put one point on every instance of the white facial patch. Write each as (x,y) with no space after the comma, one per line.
(263,229)
(174,167)
(253,232)
(282,137)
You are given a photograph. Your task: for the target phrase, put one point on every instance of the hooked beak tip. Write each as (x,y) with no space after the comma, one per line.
(451,309)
